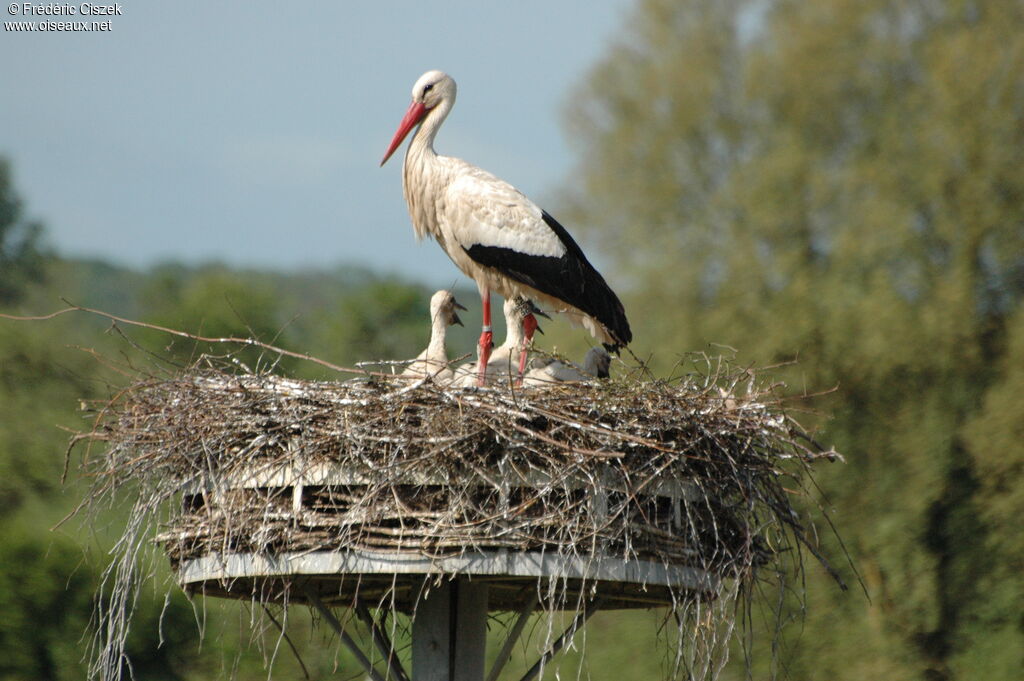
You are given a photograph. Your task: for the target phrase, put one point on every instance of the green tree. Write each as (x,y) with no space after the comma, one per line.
(841,181)
(214,302)
(21,257)
(995,439)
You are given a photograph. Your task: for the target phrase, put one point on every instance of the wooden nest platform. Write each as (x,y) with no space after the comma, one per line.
(315,525)
(633,493)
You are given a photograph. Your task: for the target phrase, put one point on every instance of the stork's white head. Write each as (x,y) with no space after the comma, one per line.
(517,308)
(433,90)
(433,87)
(443,306)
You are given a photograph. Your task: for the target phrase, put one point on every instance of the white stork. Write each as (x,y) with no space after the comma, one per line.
(433,361)
(520,325)
(492,232)
(596,364)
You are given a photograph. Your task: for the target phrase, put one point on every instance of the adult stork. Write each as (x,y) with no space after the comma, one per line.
(492,232)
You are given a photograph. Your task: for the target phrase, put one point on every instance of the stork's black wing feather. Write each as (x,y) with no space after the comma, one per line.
(569,277)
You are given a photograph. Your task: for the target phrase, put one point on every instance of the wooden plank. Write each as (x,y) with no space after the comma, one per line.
(431,635)
(274,474)
(499,563)
(470,631)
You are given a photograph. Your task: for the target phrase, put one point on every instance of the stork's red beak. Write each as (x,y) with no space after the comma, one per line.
(413,116)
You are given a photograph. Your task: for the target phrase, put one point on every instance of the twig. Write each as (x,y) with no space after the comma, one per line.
(251,342)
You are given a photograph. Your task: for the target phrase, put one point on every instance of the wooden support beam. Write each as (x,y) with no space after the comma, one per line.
(577,622)
(449,632)
(349,642)
(431,634)
(380,638)
(469,607)
(513,636)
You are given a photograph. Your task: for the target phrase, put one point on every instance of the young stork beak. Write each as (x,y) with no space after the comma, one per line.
(530,327)
(455,315)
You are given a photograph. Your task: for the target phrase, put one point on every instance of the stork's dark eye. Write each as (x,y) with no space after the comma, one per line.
(428,88)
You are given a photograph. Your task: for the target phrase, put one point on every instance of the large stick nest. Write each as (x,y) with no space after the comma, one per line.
(445,470)
(698,471)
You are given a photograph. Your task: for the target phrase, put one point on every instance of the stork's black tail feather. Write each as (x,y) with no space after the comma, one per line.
(586,289)
(611,347)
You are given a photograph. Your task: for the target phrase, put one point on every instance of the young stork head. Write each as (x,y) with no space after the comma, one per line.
(522,311)
(433,89)
(443,306)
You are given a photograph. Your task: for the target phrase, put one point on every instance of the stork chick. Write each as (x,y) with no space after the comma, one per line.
(433,361)
(596,364)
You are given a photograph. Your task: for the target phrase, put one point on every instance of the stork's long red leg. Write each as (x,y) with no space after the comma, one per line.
(486,337)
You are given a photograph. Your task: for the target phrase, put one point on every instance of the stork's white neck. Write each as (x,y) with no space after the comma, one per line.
(423,140)
(438,329)
(515,339)
(423,176)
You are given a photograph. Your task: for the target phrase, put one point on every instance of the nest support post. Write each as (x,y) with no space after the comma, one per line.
(449,632)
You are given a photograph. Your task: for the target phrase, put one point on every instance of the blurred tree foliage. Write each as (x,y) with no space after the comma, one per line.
(843,181)
(21,257)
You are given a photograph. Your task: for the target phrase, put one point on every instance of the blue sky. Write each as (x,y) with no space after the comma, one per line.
(251,133)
